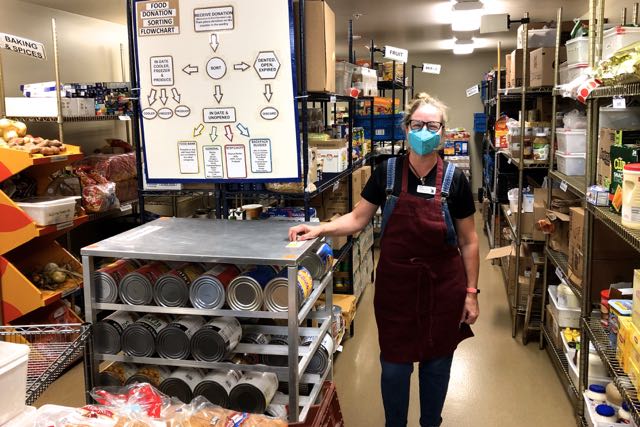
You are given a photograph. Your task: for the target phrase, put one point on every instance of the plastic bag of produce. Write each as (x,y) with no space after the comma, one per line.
(575,120)
(100,197)
(113,167)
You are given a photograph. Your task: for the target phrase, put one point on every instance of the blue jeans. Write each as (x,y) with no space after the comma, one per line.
(434,382)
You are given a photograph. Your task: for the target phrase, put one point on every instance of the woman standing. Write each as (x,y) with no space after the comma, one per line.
(427,275)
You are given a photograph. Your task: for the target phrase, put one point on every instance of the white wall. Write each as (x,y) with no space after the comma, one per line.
(89,52)
(459,72)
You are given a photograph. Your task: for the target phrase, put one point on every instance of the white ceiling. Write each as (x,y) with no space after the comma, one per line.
(422,26)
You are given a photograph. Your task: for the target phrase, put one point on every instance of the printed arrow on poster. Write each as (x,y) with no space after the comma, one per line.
(214,42)
(218,94)
(163,97)
(243,130)
(198,131)
(214,134)
(190,69)
(267,92)
(176,95)
(243,66)
(152,97)
(228,132)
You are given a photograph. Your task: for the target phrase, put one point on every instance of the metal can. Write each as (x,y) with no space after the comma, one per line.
(254,392)
(151,374)
(217,385)
(319,262)
(278,411)
(107,279)
(276,293)
(254,338)
(338,324)
(304,389)
(209,291)
(321,359)
(107,332)
(139,338)
(172,289)
(136,288)
(181,383)
(245,292)
(116,375)
(174,341)
(277,359)
(215,340)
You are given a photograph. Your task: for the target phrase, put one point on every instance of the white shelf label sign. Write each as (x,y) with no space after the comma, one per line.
(236,163)
(213,161)
(619,102)
(396,54)
(23,46)
(431,68)
(564,186)
(260,151)
(559,273)
(473,90)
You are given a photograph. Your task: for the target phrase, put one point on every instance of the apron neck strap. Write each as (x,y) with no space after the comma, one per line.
(439,173)
(405,174)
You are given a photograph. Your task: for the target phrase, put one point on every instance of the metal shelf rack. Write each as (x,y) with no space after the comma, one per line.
(561,264)
(234,242)
(614,222)
(577,184)
(631,89)
(561,365)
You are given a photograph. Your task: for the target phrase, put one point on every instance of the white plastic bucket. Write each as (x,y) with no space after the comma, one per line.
(13,379)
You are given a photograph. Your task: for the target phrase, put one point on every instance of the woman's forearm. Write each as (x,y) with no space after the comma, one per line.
(350,223)
(471,261)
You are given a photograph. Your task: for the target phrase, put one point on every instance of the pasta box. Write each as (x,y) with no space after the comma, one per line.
(617,308)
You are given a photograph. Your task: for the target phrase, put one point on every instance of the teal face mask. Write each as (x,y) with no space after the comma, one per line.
(424,141)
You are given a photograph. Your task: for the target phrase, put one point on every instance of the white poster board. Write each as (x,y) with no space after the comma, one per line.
(217,90)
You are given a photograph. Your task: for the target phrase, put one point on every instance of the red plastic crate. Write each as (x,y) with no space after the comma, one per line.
(327,413)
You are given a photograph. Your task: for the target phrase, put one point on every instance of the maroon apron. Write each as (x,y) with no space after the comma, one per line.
(421,282)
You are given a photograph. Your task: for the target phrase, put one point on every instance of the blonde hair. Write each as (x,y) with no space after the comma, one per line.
(423,99)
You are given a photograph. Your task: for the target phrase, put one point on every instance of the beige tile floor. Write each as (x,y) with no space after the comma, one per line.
(496,381)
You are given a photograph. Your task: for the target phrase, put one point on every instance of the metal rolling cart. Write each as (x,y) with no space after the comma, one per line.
(234,242)
(52,349)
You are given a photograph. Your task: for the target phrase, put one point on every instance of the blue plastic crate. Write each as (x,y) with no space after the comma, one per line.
(386,127)
(484,90)
(479,122)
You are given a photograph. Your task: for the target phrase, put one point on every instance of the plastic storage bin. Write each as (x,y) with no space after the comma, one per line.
(544,37)
(572,141)
(479,122)
(590,413)
(49,210)
(386,127)
(619,118)
(571,164)
(566,317)
(578,50)
(13,379)
(569,73)
(616,38)
(593,379)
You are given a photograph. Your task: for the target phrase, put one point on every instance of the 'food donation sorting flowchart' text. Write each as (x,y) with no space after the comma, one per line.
(217,90)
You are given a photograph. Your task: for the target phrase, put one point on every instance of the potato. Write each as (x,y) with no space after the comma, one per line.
(9,134)
(55,150)
(21,128)
(28,139)
(5,123)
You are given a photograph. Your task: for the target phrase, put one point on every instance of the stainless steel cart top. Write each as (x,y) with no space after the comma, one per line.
(205,240)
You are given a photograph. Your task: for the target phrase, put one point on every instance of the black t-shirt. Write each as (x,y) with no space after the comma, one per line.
(460,199)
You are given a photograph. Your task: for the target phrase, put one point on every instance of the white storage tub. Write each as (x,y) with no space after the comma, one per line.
(616,38)
(591,412)
(569,73)
(578,50)
(26,418)
(574,372)
(543,37)
(13,379)
(49,210)
(571,164)
(565,317)
(619,118)
(572,141)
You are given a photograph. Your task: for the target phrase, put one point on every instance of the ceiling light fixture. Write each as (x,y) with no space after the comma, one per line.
(463,47)
(466,15)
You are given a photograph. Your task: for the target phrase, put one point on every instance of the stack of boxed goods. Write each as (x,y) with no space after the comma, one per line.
(355,80)
(380,106)
(389,74)
(616,149)
(78,100)
(331,153)
(456,149)
(541,65)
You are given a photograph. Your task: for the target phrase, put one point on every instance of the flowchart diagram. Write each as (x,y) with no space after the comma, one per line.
(217,90)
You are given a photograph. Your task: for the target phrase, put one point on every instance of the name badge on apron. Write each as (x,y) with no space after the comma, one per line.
(425,189)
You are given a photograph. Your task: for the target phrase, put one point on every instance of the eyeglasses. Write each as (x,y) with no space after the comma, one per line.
(419,125)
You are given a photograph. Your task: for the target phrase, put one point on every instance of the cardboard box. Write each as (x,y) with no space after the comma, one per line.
(336,201)
(356,187)
(607,138)
(552,327)
(576,252)
(507,255)
(544,106)
(320,45)
(541,66)
(620,156)
(514,68)
(332,154)
(559,239)
(635,315)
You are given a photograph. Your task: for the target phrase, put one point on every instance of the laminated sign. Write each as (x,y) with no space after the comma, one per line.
(22,46)
(212,109)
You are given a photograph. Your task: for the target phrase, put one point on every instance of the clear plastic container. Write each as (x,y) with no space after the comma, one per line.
(578,50)
(616,38)
(631,196)
(571,164)
(572,141)
(49,210)
(568,73)
(13,379)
